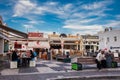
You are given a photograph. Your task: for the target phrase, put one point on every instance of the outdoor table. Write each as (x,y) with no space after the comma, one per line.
(25,61)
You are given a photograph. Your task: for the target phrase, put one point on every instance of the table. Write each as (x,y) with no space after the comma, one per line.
(25,61)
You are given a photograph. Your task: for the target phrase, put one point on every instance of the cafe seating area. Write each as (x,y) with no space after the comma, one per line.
(14,64)
(20,59)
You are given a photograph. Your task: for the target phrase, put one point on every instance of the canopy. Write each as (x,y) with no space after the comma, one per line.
(38,44)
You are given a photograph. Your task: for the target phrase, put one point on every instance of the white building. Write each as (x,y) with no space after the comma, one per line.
(110,40)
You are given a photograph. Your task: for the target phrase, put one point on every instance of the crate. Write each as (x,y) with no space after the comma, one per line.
(32,63)
(13,64)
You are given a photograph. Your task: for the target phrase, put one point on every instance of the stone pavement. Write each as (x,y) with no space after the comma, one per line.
(53,69)
(42,66)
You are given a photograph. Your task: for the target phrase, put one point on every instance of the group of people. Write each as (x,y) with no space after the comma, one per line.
(104,59)
(22,56)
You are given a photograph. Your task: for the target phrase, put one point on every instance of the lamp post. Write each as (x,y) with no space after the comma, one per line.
(62,44)
(51,50)
(77,45)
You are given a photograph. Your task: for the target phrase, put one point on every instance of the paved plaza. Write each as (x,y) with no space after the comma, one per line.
(49,70)
(42,66)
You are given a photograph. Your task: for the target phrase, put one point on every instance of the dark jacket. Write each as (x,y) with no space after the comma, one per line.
(14,56)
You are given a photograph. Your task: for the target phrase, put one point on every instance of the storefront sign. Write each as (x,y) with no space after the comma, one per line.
(114,47)
(35,34)
(38,44)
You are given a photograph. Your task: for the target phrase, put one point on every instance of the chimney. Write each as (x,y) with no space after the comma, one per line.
(77,34)
(54,33)
(106,29)
(69,34)
(110,28)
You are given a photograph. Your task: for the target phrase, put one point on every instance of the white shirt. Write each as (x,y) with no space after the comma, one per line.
(100,57)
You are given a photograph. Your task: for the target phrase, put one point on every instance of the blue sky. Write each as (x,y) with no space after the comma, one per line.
(61,16)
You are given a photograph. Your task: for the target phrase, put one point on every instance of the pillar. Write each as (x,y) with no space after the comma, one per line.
(1,46)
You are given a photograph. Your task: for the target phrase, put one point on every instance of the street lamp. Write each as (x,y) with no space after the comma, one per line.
(62,43)
(77,44)
(51,50)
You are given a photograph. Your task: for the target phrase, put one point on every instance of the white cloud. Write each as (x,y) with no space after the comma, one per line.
(26,26)
(26,7)
(84,27)
(83,22)
(35,22)
(118,16)
(85,32)
(74,18)
(80,21)
(67,7)
(113,23)
(23,7)
(96,5)
(51,3)
(40,10)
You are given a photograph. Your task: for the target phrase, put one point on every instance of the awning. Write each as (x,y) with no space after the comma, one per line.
(4,37)
(38,44)
(13,31)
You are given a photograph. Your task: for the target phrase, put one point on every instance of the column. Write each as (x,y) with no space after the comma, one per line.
(62,45)
(1,46)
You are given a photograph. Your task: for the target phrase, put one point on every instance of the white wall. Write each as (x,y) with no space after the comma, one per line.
(103,43)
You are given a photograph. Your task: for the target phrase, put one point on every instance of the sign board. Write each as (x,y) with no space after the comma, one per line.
(116,55)
(114,47)
(35,34)
(38,44)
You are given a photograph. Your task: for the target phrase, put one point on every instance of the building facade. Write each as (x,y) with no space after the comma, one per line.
(35,40)
(63,42)
(90,43)
(110,40)
(3,38)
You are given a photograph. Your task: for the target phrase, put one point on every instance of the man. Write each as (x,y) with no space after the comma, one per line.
(101,60)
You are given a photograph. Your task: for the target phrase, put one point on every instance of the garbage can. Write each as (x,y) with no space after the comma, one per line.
(76,66)
(114,64)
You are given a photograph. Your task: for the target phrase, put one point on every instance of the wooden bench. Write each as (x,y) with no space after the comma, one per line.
(88,60)
(91,60)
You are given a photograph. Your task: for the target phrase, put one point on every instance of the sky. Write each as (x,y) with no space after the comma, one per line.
(61,16)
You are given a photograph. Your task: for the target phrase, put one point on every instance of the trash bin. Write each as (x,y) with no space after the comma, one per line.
(114,64)
(76,66)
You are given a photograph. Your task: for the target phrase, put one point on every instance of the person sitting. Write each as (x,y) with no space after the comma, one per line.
(101,60)
(32,56)
(15,57)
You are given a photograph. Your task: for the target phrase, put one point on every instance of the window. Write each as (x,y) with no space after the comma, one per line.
(115,38)
(107,39)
